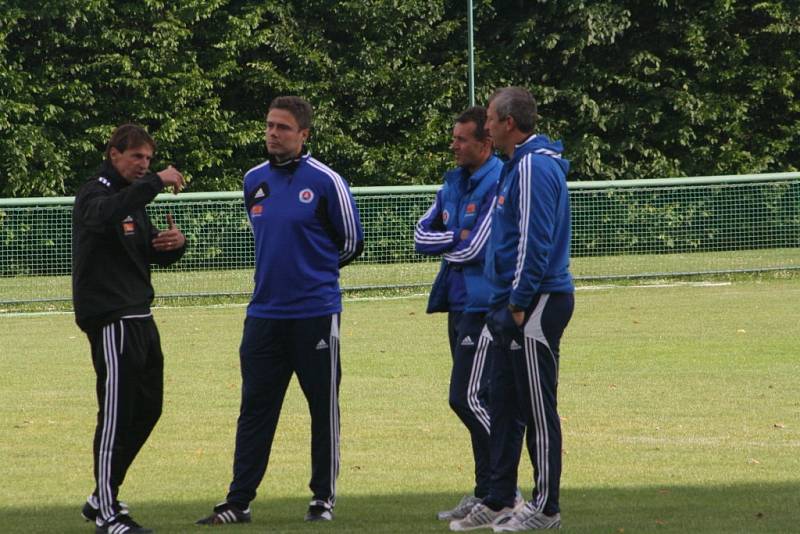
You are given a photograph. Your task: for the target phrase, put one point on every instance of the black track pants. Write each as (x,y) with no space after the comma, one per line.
(130,383)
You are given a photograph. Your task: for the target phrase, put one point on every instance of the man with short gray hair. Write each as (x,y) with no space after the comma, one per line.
(531,303)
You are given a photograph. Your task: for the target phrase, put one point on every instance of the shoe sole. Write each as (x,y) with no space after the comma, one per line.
(200,523)
(557,527)
(313,518)
(467,529)
(554,526)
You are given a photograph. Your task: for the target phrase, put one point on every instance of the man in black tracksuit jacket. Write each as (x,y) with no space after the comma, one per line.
(113,245)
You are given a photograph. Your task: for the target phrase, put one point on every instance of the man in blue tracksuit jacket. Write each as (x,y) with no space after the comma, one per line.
(531,303)
(457,226)
(306,227)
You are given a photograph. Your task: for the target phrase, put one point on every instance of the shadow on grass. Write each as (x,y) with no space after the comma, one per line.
(739,508)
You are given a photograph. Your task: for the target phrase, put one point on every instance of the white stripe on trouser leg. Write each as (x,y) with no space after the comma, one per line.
(474,386)
(108,434)
(334,413)
(533,332)
(533,328)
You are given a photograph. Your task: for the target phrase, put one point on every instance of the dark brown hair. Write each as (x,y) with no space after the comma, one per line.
(476,114)
(128,136)
(298,107)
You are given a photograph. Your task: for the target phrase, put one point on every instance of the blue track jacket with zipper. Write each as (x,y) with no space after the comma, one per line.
(463,203)
(306,226)
(528,250)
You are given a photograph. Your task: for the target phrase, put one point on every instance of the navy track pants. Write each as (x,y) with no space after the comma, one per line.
(471,348)
(271,351)
(524,386)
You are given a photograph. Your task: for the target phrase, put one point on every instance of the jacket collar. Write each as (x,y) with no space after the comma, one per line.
(484,169)
(110,173)
(530,139)
(471,180)
(290,165)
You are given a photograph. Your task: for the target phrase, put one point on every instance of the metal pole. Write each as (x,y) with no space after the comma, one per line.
(471,55)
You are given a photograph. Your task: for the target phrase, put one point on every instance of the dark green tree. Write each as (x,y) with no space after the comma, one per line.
(635,89)
(654,89)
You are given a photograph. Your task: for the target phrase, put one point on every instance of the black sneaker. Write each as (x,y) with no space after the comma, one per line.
(91,508)
(122,524)
(319,511)
(225,513)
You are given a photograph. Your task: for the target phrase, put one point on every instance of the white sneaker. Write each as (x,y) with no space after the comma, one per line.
(461,510)
(481,516)
(527,519)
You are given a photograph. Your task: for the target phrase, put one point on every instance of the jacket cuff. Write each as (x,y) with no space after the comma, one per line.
(155,182)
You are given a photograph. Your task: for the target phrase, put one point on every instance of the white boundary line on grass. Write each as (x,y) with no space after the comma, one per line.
(705,441)
(653,286)
(398,297)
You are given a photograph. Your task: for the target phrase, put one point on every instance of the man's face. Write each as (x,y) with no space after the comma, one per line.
(468,151)
(284,136)
(133,163)
(498,129)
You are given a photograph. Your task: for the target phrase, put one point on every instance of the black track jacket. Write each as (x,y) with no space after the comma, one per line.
(112,250)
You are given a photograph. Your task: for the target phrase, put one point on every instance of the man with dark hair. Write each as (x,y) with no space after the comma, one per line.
(113,245)
(457,226)
(531,303)
(306,227)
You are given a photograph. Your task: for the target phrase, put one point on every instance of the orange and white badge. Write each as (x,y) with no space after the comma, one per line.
(128,226)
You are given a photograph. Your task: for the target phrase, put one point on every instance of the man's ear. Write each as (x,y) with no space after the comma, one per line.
(511,124)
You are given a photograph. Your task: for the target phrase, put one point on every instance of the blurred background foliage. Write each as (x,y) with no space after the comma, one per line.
(635,89)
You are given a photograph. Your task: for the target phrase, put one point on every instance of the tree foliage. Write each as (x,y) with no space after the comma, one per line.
(635,89)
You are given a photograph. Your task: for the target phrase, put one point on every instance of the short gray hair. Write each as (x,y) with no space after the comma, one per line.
(518,103)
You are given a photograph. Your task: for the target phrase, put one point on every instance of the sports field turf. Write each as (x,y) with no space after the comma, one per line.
(680,407)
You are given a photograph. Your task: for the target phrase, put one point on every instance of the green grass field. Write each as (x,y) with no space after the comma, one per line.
(680,407)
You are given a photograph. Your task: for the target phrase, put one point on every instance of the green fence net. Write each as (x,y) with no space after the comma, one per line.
(657,227)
